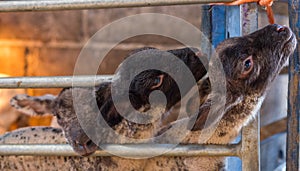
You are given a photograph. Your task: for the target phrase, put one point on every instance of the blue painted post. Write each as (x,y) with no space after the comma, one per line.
(233,21)
(218,22)
(293,118)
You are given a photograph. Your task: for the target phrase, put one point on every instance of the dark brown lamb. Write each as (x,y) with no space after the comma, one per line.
(250,65)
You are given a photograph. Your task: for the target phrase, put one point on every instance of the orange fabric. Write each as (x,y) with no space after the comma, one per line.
(270,15)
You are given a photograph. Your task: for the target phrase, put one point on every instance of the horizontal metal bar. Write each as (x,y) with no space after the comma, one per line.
(43,5)
(53,82)
(132,150)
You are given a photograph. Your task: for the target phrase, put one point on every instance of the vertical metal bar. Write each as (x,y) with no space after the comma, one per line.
(250,134)
(205,27)
(250,151)
(233,29)
(293,117)
(249,18)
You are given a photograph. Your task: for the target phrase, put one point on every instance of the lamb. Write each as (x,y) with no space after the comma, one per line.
(250,64)
(42,105)
(62,106)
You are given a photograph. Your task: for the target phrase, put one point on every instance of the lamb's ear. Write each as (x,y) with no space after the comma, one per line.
(32,105)
(201,117)
(192,104)
(110,113)
(195,124)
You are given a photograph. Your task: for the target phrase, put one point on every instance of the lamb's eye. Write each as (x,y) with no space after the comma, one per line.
(157,81)
(247,66)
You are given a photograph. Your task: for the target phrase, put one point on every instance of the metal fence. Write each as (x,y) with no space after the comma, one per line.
(247,149)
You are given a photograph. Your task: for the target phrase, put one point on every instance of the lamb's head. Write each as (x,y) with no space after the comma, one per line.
(151,80)
(251,62)
(64,110)
(61,107)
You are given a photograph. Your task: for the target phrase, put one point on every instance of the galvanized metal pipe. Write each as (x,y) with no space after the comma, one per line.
(250,134)
(250,151)
(132,150)
(43,5)
(53,82)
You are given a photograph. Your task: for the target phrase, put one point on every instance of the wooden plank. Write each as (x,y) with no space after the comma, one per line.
(272,129)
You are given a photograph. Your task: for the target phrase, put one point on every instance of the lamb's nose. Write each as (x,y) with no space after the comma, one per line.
(85,148)
(280,28)
(89,143)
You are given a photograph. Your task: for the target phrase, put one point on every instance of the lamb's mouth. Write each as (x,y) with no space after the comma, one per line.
(292,37)
(84,150)
(84,153)
(87,154)
(290,40)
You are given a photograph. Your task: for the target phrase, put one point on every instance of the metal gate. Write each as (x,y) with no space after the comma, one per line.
(247,149)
